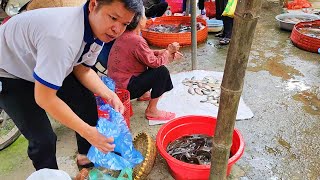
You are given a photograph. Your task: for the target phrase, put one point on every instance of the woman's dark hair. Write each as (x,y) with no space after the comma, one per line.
(135,22)
(132,5)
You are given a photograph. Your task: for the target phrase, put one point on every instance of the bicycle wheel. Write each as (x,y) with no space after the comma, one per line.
(8,130)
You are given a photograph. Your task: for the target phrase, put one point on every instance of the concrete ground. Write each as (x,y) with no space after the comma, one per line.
(281,88)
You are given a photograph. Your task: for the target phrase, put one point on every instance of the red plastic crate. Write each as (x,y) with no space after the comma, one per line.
(124,96)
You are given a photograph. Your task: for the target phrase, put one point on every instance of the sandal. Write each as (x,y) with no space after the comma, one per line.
(224,41)
(85,166)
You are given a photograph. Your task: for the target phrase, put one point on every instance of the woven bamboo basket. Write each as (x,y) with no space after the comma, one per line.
(303,41)
(147,146)
(36,4)
(144,144)
(164,39)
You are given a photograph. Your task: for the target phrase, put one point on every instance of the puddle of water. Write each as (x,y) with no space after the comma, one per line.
(311,101)
(274,66)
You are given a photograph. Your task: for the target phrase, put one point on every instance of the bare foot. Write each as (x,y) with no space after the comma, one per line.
(82,159)
(157,114)
(145,97)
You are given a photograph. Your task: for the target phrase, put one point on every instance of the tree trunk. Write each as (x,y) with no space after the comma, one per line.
(245,21)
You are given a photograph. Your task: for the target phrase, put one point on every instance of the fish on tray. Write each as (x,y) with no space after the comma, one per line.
(208,87)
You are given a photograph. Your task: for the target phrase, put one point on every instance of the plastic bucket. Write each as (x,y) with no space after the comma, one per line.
(189,125)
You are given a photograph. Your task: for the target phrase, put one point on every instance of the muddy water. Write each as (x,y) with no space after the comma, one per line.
(310,100)
(279,88)
(282,139)
(275,66)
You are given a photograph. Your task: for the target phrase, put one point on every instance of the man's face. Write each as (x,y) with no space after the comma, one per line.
(109,21)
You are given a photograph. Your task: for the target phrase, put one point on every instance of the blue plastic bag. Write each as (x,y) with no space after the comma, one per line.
(109,82)
(114,125)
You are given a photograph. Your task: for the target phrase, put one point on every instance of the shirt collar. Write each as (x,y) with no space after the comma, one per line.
(88,34)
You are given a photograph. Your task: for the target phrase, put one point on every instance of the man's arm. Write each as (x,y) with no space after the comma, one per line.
(91,80)
(47,99)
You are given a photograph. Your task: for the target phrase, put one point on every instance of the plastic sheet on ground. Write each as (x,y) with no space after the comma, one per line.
(179,101)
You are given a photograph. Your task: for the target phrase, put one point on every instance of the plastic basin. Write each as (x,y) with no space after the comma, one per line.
(214,25)
(189,125)
(289,25)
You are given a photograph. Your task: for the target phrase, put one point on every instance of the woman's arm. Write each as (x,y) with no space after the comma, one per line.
(144,54)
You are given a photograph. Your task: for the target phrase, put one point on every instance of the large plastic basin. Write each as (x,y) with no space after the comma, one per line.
(189,125)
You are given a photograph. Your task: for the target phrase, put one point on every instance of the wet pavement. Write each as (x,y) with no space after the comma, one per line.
(281,88)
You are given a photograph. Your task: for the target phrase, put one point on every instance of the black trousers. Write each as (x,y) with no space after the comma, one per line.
(227,26)
(220,6)
(157,10)
(157,79)
(17,99)
(200,4)
(227,21)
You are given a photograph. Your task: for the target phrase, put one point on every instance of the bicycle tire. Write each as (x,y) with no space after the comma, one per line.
(11,136)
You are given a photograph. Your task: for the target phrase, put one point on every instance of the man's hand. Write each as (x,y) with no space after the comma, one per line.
(98,140)
(116,103)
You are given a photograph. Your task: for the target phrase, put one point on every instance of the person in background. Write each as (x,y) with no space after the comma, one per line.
(225,35)
(200,6)
(155,8)
(45,67)
(140,69)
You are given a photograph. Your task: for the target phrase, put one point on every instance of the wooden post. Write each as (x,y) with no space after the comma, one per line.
(245,21)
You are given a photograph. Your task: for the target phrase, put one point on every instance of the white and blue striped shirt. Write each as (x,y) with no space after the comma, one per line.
(46,44)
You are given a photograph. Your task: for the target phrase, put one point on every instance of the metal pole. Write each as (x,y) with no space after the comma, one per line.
(188,3)
(193,4)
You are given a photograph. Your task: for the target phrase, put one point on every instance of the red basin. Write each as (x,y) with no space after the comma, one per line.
(189,125)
